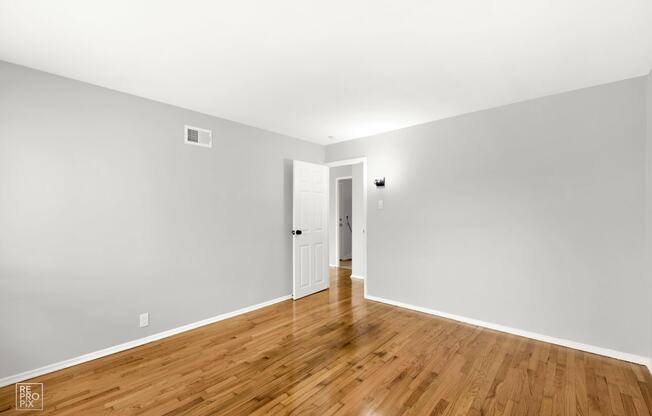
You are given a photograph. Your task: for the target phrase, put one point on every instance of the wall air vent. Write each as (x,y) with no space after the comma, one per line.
(198,137)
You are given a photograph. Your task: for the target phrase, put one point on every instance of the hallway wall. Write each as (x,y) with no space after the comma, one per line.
(345,209)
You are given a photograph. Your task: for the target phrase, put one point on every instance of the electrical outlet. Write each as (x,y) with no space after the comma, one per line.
(144,319)
(381,204)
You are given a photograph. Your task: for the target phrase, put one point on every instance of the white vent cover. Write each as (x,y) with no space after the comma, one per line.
(198,137)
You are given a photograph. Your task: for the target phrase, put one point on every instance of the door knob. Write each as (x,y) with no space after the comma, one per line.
(297,232)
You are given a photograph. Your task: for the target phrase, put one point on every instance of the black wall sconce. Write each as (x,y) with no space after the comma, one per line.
(380,182)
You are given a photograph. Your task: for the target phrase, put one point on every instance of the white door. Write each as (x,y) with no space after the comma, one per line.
(310,228)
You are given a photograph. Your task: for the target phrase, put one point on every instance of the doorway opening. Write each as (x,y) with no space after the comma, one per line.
(347,216)
(344,218)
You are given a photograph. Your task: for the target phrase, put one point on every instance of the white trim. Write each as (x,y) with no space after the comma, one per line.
(365,210)
(5,381)
(527,334)
(355,276)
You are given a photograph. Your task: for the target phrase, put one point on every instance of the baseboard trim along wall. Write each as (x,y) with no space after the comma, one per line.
(135,343)
(527,334)
(355,276)
(174,331)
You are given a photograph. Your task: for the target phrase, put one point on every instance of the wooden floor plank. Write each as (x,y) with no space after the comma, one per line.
(335,353)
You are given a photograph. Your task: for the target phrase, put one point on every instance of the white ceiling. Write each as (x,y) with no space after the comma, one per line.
(343,68)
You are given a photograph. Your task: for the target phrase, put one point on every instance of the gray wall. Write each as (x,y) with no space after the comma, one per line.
(105,213)
(530,215)
(334,173)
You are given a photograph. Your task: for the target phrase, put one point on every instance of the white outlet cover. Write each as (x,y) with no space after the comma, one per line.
(144,319)
(381,204)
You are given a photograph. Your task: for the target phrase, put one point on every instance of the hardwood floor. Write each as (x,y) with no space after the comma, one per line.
(335,353)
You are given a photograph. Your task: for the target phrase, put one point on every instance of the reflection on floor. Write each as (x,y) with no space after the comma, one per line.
(346,264)
(335,353)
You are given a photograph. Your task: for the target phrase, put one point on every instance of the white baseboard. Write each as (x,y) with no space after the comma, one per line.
(355,276)
(527,334)
(5,381)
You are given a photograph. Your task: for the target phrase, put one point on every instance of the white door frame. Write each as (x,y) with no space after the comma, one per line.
(337,215)
(365,180)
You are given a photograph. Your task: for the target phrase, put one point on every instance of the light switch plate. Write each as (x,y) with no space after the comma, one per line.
(381,204)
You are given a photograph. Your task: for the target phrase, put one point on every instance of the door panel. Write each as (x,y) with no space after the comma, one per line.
(319,263)
(305,269)
(310,210)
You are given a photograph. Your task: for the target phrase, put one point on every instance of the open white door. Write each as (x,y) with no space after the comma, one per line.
(310,228)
